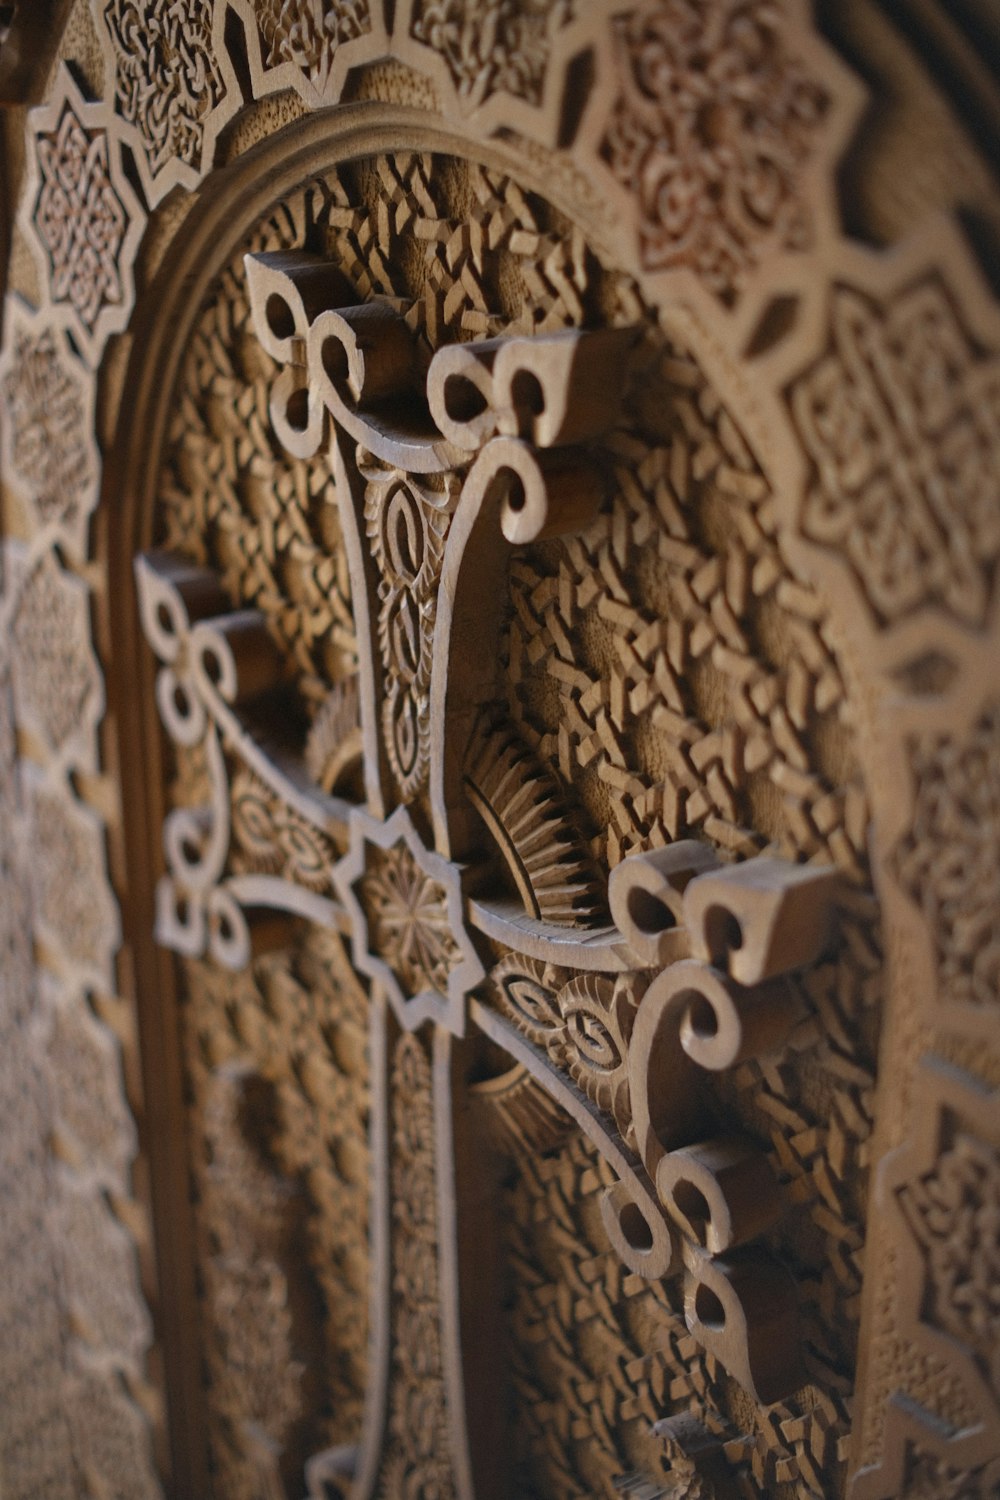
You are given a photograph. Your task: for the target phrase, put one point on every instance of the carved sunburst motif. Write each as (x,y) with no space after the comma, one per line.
(333,746)
(521,803)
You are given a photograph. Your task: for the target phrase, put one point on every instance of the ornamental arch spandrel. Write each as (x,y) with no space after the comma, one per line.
(499,740)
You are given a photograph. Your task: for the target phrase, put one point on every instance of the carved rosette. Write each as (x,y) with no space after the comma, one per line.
(408,932)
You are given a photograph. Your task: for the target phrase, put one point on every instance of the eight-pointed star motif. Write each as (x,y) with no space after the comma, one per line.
(173,83)
(81,215)
(407,926)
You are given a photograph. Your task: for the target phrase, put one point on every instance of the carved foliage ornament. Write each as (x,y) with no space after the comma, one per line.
(443,472)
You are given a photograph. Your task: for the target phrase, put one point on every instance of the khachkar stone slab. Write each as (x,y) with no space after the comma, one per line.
(410,882)
(500,620)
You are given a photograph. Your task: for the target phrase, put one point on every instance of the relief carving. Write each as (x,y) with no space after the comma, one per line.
(110,1439)
(277,1059)
(544,490)
(415,1458)
(172,81)
(48,425)
(948,861)
(941,1188)
(101,1273)
(899,418)
(465,33)
(407,916)
(309,45)
(950,1210)
(57,691)
(523,807)
(521,724)
(81,215)
(717,161)
(404,904)
(259,842)
(90,1113)
(73,906)
(36,1442)
(258,1241)
(73,1303)
(407,524)
(273,839)
(931,1478)
(513,426)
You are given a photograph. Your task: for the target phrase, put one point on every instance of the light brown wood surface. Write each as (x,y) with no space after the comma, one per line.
(499,743)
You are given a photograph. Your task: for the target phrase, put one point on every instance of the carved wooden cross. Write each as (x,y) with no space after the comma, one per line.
(469,904)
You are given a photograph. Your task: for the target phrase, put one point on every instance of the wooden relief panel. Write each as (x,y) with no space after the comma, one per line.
(498,750)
